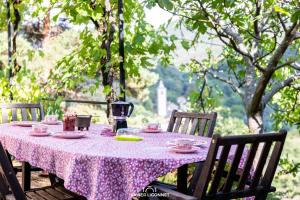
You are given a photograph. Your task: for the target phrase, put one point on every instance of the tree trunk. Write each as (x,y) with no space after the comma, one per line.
(16,21)
(46,29)
(255,123)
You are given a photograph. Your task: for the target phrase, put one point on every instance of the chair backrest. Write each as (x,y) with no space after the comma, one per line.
(33,112)
(9,174)
(241,178)
(192,123)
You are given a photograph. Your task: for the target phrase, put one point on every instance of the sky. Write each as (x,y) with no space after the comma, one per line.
(157,16)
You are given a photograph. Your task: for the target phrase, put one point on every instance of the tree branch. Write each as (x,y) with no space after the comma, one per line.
(291,63)
(217,76)
(279,86)
(282,22)
(270,69)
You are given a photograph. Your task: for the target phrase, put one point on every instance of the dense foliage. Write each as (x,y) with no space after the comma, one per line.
(260,44)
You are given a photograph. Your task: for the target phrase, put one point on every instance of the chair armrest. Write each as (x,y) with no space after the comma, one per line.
(173,195)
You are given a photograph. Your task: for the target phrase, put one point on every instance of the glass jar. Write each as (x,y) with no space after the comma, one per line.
(69,122)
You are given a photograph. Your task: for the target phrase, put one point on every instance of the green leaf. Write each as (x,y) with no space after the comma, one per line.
(185,44)
(295,16)
(281,10)
(168,4)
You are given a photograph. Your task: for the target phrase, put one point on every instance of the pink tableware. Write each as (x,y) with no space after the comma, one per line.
(193,149)
(23,123)
(184,143)
(200,143)
(39,134)
(69,134)
(146,130)
(39,128)
(51,118)
(153,126)
(52,122)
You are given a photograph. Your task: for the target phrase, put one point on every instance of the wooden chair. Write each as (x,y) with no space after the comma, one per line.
(8,180)
(22,112)
(192,123)
(29,112)
(217,182)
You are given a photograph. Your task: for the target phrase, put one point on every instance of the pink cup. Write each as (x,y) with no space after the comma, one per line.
(184,143)
(153,126)
(51,118)
(39,128)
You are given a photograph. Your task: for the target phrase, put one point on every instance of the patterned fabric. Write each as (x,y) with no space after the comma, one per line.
(99,167)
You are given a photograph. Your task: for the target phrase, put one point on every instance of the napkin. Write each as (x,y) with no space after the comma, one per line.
(107,132)
(132,138)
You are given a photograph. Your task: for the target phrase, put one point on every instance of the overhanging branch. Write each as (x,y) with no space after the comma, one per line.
(279,86)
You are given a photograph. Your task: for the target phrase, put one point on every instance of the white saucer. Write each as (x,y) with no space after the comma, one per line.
(51,122)
(69,134)
(36,134)
(192,150)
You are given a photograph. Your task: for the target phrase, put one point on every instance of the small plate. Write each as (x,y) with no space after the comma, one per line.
(146,130)
(23,123)
(32,133)
(192,150)
(51,123)
(69,134)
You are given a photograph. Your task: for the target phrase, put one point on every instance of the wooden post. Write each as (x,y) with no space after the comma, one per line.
(9,45)
(121,50)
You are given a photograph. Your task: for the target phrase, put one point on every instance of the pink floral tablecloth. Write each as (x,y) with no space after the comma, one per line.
(99,167)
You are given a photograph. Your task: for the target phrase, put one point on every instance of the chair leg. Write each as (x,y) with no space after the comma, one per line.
(182,179)
(262,196)
(54,180)
(26,176)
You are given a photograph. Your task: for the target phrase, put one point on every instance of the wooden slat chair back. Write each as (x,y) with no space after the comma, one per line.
(9,179)
(247,184)
(192,123)
(28,112)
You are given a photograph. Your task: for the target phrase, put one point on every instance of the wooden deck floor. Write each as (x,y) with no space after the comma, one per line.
(37,180)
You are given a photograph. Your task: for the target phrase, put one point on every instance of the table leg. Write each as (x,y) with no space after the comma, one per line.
(26,176)
(182,179)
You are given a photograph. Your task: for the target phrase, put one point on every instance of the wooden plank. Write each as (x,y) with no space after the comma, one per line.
(34,196)
(58,194)
(211,123)
(172,122)
(33,114)
(202,127)
(273,162)
(205,176)
(177,124)
(14,114)
(24,114)
(247,167)
(219,170)
(41,113)
(233,169)
(45,195)
(261,164)
(193,129)
(185,126)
